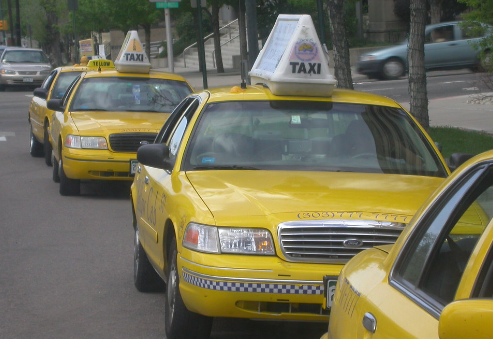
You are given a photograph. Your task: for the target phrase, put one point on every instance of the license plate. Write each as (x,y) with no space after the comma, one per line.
(27,79)
(329,290)
(134,164)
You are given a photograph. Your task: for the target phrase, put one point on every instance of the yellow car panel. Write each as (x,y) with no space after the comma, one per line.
(187,193)
(435,282)
(103,120)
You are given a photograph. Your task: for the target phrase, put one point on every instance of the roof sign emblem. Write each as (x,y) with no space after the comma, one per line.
(132,57)
(293,61)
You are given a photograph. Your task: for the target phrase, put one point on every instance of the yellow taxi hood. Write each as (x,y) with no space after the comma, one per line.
(233,195)
(95,122)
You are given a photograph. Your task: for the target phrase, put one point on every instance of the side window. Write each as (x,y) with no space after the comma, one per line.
(434,260)
(173,119)
(49,80)
(443,34)
(178,132)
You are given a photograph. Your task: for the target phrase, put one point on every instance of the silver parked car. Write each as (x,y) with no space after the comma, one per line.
(447,45)
(23,67)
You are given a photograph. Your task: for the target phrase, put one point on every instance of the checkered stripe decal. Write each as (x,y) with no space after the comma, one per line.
(252,287)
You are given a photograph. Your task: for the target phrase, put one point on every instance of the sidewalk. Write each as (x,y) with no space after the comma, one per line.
(453,111)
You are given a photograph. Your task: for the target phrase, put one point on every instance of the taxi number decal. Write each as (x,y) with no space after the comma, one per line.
(358,215)
(148,205)
(300,67)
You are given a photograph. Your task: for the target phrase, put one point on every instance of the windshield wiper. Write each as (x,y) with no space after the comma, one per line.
(225,167)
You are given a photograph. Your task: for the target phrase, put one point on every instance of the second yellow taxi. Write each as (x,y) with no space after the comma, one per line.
(105,116)
(251,194)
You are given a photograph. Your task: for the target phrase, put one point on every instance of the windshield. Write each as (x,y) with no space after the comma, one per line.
(130,94)
(310,136)
(24,57)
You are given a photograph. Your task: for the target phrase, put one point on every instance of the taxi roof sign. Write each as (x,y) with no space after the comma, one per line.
(293,61)
(100,63)
(132,57)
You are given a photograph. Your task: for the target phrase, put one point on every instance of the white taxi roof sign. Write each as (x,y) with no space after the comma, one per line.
(132,57)
(100,63)
(293,62)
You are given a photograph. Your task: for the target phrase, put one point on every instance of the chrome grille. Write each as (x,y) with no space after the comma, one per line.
(129,142)
(334,241)
(27,72)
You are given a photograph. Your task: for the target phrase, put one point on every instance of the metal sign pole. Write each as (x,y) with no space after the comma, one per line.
(169,40)
(201,42)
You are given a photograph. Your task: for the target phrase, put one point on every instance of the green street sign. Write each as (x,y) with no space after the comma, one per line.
(166,4)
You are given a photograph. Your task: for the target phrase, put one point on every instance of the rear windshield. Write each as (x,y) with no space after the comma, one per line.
(129,94)
(24,57)
(310,136)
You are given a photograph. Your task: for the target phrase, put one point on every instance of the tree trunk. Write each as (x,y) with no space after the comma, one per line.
(53,36)
(243,40)
(147,32)
(416,56)
(217,37)
(435,11)
(342,65)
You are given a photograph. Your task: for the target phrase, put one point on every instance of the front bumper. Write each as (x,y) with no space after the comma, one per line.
(369,68)
(97,164)
(253,287)
(22,80)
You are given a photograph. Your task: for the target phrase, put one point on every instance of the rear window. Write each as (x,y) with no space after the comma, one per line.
(310,136)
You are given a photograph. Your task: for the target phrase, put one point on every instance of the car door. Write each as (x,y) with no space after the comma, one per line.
(154,185)
(467,37)
(436,262)
(38,105)
(440,46)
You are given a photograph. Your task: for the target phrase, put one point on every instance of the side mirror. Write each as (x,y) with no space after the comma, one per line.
(40,93)
(471,319)
(55,105)
(458,159)
(155,155)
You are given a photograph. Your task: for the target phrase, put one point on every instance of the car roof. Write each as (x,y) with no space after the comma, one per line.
(22,49)
(259,93)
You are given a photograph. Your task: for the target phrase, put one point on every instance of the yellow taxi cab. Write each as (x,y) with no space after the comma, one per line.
(436,281)
(54,87)
(251,194)
(105,116)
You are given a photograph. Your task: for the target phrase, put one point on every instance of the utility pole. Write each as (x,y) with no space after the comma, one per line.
(18,24)
(251,13)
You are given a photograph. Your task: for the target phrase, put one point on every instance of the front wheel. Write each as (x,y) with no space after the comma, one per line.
(393,69)
(56,169)
(47,147)
(145,277)
(180,323)
(68,186)
(35,147)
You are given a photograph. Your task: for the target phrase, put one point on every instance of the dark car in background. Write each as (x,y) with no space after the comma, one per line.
(447,45)
(26,67)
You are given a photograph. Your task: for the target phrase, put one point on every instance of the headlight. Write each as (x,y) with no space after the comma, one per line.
(228,240)
(367,58)
(75,141)
(7,71)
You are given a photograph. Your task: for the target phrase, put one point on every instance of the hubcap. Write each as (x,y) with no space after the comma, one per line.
(170,291)
(136,252)
(393,69)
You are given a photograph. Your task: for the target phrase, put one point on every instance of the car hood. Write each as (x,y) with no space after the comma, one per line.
(26,66)
(235,195)
(104,123)
(398,50)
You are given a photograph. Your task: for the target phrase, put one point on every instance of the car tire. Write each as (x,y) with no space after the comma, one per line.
(56,170)
(145,277)
(68,186)
(2,88)
(47,147)
(36,148)
(179,321)
(393,69)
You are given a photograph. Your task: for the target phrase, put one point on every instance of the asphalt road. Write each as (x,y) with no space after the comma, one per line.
(66,262)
